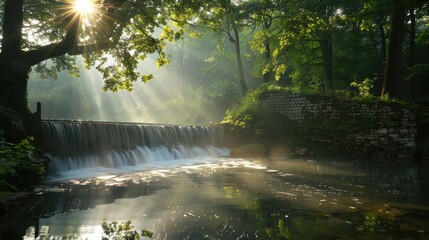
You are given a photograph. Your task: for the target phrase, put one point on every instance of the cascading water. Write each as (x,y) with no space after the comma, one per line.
(76,145)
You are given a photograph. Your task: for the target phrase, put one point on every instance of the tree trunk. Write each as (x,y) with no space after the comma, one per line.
(239,62)
(267,76)
(235,39)
(182,66)
(412,36)
(15,117)
(12,28)
(326,46)
(13,84)
(395,47)
(14,70)
(383,42)
(381,55)
(412,48)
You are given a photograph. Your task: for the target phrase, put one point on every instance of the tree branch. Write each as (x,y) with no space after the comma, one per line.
(56,49)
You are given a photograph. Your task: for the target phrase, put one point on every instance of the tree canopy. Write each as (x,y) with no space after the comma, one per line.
(323,45)
(113,38)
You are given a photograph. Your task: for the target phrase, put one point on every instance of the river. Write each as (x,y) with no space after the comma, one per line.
(178,182)
(237,198)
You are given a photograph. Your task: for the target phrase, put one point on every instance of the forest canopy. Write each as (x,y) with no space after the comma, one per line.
(376,47)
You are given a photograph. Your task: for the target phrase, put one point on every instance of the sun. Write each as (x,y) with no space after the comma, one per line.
(84,7)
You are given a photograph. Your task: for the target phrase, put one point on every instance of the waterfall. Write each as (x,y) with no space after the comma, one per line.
(74,145)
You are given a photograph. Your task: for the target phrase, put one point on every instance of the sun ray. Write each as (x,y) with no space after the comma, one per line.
(84,7)
(87,10)
(91,17)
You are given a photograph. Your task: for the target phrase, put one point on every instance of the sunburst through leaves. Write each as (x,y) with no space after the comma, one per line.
(84,7)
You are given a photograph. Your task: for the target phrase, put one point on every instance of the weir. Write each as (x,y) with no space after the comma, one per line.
(74,145)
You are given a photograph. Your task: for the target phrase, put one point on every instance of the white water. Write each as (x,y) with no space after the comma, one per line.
(80,149)
(141,158)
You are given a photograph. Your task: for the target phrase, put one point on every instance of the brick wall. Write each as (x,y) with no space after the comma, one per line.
(371,129)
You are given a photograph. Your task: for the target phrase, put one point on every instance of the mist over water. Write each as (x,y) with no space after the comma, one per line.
(189,90)
(145,159)
(82,149)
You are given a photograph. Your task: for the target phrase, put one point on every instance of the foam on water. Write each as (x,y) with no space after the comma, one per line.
(83,149)
(136,160)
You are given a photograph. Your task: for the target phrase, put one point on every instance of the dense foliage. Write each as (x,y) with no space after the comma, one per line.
(330,47)
(20,166)
(249,114)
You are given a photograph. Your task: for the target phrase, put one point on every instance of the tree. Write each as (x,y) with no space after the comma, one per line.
(373,18)
(395,48)
(16,62)
(114,37)
(297,24)
(261,16)
(225,17)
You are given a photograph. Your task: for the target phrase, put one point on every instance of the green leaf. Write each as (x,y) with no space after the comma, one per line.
(146,78)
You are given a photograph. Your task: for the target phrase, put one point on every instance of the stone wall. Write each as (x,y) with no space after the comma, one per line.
(371,129)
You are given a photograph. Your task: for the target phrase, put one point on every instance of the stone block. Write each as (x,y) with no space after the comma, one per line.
(383,130)
(403,130)
(397,125)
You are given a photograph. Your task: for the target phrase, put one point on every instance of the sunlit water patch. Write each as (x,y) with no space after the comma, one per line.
(226,198)
(134,160)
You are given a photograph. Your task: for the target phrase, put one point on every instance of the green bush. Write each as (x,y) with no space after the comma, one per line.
(20,166)
(268,126)
(251,115)
(364,87)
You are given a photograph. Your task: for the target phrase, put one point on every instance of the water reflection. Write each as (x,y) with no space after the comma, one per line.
(248,199)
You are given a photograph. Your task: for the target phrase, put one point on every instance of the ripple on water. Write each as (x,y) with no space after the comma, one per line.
(232,198)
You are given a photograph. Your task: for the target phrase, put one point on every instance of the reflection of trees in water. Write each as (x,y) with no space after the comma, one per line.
(404,180)
(88,194)
(290,218)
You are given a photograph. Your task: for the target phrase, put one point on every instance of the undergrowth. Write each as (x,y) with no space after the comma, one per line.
(20,166)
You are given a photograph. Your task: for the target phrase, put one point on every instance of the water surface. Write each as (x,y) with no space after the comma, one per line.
(226,198)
